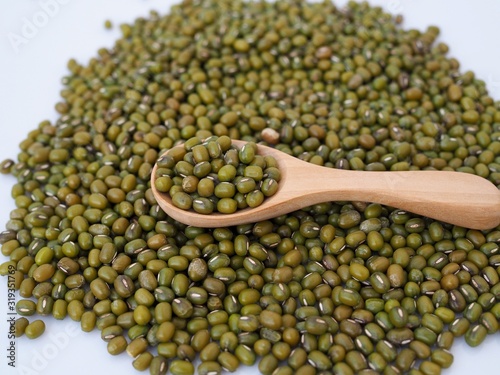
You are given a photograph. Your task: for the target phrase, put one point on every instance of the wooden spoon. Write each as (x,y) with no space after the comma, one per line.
(457,198)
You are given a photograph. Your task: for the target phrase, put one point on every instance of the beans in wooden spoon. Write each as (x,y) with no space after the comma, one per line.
(453,197)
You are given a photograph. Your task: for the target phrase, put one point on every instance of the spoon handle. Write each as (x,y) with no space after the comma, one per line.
(457,198)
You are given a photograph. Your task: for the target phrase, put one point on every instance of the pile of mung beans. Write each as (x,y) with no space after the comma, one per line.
(336,288)
(215,175)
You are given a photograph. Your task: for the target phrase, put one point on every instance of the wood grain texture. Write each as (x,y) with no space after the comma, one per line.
(456,198)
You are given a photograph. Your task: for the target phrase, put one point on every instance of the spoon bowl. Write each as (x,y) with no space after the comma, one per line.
(456,198)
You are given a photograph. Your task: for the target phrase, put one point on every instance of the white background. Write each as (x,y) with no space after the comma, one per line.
(29,88)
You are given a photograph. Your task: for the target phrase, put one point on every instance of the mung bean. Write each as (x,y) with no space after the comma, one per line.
(344,287)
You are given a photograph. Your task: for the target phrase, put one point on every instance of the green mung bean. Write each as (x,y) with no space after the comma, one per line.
(117,345)
(178,367)
(475,335)
(25,307)
(343,287)
(209,368)
(34,329)
(20,326)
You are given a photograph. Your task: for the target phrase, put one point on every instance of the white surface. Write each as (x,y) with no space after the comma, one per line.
(29,88)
